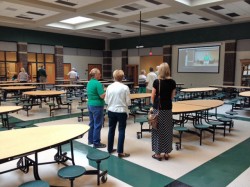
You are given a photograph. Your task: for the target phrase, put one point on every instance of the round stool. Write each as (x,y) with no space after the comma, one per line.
(82,108)
(98,156)
(232,113)
(23,124)
(71,172)
(37,183)
(180,130)
(226,122)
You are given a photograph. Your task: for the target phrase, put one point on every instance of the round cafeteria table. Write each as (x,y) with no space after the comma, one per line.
(202,90)
(5,110)
(20,143)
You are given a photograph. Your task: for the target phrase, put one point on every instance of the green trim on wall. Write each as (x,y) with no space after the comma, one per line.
(46,38)
(209,34)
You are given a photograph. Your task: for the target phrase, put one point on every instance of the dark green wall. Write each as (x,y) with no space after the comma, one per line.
(46,38)
(209,34)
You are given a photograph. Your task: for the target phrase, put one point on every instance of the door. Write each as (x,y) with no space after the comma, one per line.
(66,70)
(50,70)
(91,66)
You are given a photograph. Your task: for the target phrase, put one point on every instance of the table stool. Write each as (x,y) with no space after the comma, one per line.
(141,120)
(37,183)
(23,124)
(3,129)
(214,125)
(180,129)
(232,113)
(98,156)
(71,172)
(80,118)
(226,122)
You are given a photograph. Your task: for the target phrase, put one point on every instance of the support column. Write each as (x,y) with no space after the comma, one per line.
(107,65)
(125,61)
(167,55)
(59,62)
(229,62)
(22,56)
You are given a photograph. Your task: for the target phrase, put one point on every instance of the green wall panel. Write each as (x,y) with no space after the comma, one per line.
(46,38)
(209,34)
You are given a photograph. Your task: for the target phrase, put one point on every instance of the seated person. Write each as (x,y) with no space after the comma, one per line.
(14,77)
(142,81)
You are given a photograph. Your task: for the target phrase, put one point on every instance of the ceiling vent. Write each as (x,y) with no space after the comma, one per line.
(65,3)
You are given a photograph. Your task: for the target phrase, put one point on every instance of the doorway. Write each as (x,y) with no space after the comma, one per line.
(150,61)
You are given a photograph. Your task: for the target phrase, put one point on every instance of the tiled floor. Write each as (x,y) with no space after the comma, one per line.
(224,162)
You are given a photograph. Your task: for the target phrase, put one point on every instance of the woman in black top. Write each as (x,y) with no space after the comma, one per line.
(162,138)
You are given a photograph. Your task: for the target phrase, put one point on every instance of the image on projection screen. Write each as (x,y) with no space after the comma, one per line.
(199,59)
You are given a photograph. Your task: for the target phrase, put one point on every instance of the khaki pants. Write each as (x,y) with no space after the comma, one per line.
(72,80)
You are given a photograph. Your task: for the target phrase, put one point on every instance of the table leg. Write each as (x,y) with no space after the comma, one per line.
(35,168)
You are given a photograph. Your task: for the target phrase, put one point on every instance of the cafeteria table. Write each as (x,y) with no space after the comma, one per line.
(21,143)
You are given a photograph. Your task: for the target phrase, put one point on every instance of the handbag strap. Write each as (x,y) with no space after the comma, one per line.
(159,95)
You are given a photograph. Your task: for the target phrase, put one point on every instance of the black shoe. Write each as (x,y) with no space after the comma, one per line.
(113,150)
(100,145)
(89,143)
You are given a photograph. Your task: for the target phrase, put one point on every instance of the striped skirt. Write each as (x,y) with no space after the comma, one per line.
(162,138)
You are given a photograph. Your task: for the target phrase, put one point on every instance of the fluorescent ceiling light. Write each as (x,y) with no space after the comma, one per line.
(91,24)
(76,20)
(197,2)
(77,27)
(61,25)
(139,46)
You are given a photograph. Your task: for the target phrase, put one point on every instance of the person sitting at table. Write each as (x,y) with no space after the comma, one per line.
(118,99)
(165,87)
(95,94)
(142,81)
(23,76)
(14,77)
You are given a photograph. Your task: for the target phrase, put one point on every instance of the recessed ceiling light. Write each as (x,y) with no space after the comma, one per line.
(91,24)
(76,20)
(61,26)
(197,2)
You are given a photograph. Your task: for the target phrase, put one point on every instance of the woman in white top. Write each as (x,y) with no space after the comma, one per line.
(118,99)
(23,76)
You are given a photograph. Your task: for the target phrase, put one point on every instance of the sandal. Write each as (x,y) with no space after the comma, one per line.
(157,157)
(166,156)
(123,155)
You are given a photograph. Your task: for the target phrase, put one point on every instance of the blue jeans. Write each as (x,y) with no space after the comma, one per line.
(95,124)
(115,117)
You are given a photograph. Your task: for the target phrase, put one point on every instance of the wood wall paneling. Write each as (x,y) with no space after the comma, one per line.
(150,61)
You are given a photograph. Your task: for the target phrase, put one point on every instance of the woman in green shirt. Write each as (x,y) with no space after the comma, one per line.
(96,94)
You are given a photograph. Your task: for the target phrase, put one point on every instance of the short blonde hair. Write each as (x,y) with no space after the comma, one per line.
(143,72)
(164,71)
(118,75)
(93,72)
(22,70)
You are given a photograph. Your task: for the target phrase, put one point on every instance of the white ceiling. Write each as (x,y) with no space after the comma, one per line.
(122,17)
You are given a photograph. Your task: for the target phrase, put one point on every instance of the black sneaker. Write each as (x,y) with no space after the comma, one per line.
(90,143)
(100,145)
